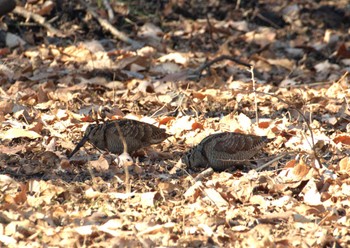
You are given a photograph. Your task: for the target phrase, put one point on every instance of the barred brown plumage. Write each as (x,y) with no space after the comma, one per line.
(106,136)
(221,151)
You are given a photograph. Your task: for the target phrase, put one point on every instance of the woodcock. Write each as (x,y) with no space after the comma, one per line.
(221,151)
(106,136)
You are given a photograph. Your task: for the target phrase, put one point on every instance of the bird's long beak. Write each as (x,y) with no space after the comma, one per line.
(80,144)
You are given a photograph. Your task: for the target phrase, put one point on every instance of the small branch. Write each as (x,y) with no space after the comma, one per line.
(263,18)
(197,73)
(109,27)
(204,174)
(38,19)
(125,151)
(210,29)
(109,10)
(255,100)
(271,162)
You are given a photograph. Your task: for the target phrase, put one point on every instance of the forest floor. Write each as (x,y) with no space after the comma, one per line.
(275,68)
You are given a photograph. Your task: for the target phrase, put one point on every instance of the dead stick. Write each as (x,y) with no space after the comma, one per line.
(125,151)
(255,100)
(198,72)
(109,9)
(106,25)
(210,29)
(38,19)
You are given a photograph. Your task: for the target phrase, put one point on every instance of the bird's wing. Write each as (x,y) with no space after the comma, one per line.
(235,142)
(128,128)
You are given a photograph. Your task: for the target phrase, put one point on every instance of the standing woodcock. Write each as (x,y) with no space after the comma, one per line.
(221,151)
(108,136)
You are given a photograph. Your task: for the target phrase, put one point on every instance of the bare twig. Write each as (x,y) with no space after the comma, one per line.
(271,161)
(109,10)
(210,29)
(263,18)
(204,174)
(106,25)
(197,73)
(125,151)
(38,19)
(255,100)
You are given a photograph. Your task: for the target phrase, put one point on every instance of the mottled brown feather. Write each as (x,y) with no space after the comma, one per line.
(106,136)
(224,150)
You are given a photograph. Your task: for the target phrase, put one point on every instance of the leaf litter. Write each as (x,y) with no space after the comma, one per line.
(51,91)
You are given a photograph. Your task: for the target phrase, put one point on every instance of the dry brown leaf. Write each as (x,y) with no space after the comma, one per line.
(148,199)
(181,124)
(38,127)
(12,150)
(197,125)
(21,197)
(100,165)
(244,122)
(264,124)
(19,133)
(4,51)
(64,164)
(179,58)
(112,227)
(85,230)
(165,120)
(198,95)
(46,8)
(344,165)
(165,69)
(286,63)
(194,191)
(42,95)
(167,187)
(145,86)
(74,53)
(312,196)
(167,227)
(90,193)
(215,197)
(300,170)
(344,139)
(296,171)
(343,52)
(6,106)
(262,36)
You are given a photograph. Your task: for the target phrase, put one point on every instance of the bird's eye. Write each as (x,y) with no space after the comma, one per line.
(89,129)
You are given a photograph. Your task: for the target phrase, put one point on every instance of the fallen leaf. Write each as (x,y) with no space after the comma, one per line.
(198,95)
(344,139)
(215,197)
(165,120)
(21,196)
(344,165)
(19,133)
(101,164)
(197,125)
(12,149)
